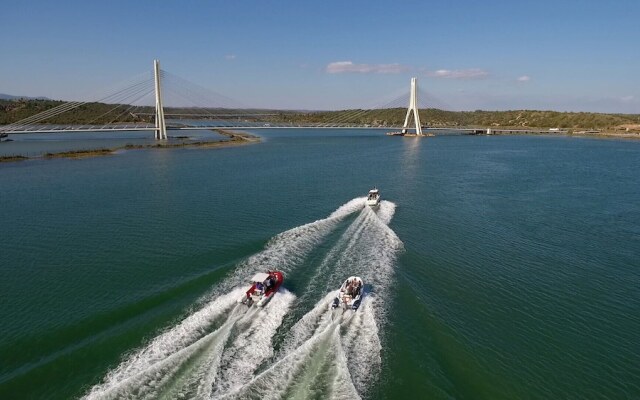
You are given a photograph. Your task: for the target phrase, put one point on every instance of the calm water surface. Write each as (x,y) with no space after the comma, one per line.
(37,144)
(497,268)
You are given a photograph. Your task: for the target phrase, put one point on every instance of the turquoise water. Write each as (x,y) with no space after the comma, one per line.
(497,268)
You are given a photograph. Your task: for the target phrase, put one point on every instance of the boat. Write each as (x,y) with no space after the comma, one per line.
(350,294)
(395,134)
(373,199)
(263,286)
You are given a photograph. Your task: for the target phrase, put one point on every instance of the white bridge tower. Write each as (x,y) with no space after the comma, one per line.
(161,128)
(413,106)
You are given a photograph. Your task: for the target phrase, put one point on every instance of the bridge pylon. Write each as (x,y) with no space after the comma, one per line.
(161,127)
(413,107)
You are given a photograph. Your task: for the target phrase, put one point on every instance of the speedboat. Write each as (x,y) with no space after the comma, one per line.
(373,199)
(350,294)
(263,286)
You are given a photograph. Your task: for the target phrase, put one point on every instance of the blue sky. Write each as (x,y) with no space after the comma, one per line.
(559,55)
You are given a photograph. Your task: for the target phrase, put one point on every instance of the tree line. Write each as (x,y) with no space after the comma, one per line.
(99,113)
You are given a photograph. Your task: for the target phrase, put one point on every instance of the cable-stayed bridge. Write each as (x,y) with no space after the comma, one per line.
(159,101)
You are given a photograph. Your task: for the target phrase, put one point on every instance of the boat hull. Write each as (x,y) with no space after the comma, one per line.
(373,199)
(259,297)
(349,297)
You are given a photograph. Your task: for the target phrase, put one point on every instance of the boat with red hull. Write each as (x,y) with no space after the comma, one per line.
(263,286)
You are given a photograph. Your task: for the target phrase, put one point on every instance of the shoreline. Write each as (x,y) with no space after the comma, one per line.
(587,134)
(236,138)
(239,138)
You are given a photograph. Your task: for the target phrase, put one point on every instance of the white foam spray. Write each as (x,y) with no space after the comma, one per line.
(288,249)
(191,350)
(252,345)
(368,249)
(149,368)
(315,366)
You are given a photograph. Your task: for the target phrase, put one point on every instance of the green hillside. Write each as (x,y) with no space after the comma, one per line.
(90,113)
(98,113)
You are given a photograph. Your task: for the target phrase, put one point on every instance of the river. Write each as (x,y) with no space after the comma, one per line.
(495,268)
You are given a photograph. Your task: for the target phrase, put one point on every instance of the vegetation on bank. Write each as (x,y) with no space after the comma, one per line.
(13,158)
(79,153)
(90,113)
(441,118)
(235,138)
(98,113)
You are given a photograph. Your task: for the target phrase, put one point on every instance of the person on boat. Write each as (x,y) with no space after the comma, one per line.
(350,288)
(269,283)
(259,286)
(347,285)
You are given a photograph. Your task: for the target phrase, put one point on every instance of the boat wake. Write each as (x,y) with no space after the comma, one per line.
(336,360)
(226,350)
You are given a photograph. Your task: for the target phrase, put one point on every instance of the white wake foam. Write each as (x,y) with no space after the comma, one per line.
(368,249)
(148,369)
(253,345)
(217,350)
(188,354)
(288,249)
(315,367)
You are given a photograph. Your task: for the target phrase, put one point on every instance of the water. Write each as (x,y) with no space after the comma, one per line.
(37,144)
(497,268)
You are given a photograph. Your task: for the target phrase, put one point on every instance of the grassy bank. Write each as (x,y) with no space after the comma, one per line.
(234,139)
(12,158)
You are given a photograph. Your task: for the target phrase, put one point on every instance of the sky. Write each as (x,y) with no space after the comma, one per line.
(560,55)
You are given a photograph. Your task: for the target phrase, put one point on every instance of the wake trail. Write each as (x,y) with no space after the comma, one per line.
(330,353)
(315,369)
(191,372)
(287,250)
(252,346)
(344,244)
(229,363)
(370,253)
(134,378)
(343,250)
(320,366)
(189,354)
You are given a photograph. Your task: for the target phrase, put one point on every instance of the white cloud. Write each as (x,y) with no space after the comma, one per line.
(340,67)
(230,56)
(524,78)
(627,99)
(472,73)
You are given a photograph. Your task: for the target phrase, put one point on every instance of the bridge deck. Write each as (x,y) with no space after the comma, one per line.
(135,128)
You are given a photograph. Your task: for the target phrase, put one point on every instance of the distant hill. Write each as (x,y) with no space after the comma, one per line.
(99,113)
(504,119)
(4,96)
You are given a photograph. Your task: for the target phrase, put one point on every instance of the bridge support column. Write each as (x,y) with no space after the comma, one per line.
(161,128)
(413,106)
